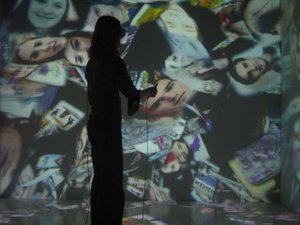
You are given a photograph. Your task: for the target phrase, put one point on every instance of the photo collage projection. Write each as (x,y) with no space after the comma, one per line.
(211,134)
(290,161)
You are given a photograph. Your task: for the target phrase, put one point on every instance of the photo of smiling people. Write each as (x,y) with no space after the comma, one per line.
(72,46)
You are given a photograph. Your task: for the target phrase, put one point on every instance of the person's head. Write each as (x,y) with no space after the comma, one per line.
(177,21)
(99,10)
(76,50)
(170,99)
(107,35)
(249,70)
(40,49)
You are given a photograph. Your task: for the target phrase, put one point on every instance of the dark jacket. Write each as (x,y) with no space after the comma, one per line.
(106,75)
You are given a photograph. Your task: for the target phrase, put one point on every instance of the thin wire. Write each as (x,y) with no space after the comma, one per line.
(88,171)
(146,172)
(146,166)
(89,196)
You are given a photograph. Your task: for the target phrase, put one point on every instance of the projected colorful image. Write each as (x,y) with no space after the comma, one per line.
(212,133)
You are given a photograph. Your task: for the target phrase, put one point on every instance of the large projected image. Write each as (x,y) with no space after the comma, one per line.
(211,134)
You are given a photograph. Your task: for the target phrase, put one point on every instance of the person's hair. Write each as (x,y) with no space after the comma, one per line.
(19,20)
(233,73)
(77,33)
(106,35)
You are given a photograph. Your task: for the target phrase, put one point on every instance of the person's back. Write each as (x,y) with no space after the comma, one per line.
(103,94)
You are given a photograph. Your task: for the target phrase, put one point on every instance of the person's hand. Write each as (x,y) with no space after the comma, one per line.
(148,92)
(152,91)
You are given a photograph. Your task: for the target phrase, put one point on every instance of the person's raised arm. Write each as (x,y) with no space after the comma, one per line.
(127,87)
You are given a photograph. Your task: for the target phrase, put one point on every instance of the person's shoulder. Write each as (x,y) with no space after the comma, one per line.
(92,64)
(109,55)
(92,60)
(117,59)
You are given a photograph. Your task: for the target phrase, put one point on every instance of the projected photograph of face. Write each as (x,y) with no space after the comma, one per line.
(40,17)
(250,70)
(171,97)
(76,50)
(218,76)
(177,21)
(72,46)
(39,49)
(46,14)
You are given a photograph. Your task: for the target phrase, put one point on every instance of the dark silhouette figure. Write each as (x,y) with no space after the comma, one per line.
(106,74)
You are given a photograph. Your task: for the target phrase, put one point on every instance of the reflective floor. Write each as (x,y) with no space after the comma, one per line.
(148,213)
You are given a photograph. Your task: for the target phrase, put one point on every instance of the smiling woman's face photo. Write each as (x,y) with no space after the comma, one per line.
(40,49)
(45,14)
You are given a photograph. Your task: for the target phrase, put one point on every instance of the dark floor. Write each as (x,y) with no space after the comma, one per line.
(154,213)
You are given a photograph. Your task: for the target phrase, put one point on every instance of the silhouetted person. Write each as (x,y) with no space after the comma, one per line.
(106,74)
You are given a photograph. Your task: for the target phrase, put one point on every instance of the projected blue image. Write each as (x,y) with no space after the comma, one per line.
(211,134)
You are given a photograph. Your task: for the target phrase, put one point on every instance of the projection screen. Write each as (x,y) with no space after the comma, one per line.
(212,133)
